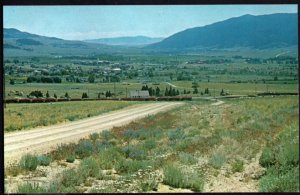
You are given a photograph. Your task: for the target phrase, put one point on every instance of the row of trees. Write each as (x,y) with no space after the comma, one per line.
(168,92)
(39,94)
(42,79)
(152,91)
(171,92)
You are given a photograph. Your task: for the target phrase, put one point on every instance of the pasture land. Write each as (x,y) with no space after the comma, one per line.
(76,90)
(27,116)
(197,147)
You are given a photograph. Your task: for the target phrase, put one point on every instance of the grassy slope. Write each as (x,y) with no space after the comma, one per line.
(175,143)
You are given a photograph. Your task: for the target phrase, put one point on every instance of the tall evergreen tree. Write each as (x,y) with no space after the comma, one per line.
(166,92)
(173,92)
(67,95)
(157,91)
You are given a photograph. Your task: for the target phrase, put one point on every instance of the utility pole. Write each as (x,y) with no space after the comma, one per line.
(126,92)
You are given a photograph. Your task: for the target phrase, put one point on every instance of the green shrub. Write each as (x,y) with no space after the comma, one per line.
(149,144)
(182,145)
(70,158)
(84,148)
(29,162)
(130,134)
(30,188)
(43,160)
(267,157)
(108,158)
(194,181)
(72,117)
(134,152)
(289,148)
(176,135)
(102,145)
(282,161)
(175,177)
(284,181)
(63,150)
(90,166)
(131,166)
(217,160)
(237,166)
(148,185)
(70,178)
(106,135)
(94,136)
(187,158)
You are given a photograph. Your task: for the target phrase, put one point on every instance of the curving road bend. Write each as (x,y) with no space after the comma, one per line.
(45,139)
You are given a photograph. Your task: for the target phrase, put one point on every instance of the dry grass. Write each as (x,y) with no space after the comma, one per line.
(26,116)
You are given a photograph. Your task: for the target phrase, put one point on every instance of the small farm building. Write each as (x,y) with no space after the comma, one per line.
(139,94)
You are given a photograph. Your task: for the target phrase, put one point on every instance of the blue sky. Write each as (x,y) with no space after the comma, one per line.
(89,22)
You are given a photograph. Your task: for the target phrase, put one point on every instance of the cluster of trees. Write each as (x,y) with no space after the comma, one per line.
(206,91)
(171,92)
(113,78)
(194,86)
(152,91)
(277,60)
(36,94)
(42,79)
(39,94)
(84,95)
(184,76)
(282,60)
(108,94)
(72,78)
(186,92)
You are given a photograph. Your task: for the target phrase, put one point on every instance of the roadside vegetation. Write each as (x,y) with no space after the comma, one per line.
(27,116)
(189,147)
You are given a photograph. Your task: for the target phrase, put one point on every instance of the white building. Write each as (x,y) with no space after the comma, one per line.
(139,94)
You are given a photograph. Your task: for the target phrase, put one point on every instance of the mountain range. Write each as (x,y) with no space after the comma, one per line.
(248,31)
(126,41)
(258,32)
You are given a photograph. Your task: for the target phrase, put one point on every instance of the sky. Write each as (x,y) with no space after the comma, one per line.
(92,22)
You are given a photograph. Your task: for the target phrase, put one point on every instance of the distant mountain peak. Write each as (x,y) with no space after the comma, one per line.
(264,31)
(126,40)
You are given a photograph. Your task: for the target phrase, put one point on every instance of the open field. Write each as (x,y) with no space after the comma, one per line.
(76,90)
(201,146)
(28,116)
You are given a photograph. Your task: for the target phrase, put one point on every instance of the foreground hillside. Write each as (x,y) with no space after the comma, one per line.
(245,145)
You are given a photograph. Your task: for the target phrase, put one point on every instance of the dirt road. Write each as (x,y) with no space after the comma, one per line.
(41,140)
